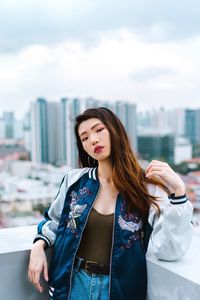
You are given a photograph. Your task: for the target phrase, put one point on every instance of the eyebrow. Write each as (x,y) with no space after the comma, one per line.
(91,128)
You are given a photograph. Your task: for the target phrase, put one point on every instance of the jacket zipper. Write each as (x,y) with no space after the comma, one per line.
(70,285)
(111,254)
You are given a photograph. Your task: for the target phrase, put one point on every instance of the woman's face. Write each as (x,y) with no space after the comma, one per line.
(95,138)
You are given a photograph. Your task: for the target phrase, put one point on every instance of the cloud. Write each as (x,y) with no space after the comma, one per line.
(161,74)
(152,73)
(47,22)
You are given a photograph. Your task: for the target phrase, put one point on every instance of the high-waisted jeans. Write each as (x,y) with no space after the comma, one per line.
(87,286)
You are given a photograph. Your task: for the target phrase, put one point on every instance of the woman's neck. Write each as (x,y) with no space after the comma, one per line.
(105,171)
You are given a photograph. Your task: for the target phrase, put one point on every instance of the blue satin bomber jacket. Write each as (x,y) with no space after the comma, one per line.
(65,220)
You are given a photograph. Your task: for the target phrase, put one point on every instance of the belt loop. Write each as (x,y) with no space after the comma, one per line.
(78,262)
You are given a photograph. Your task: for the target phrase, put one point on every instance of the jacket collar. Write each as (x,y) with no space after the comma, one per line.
(93,174)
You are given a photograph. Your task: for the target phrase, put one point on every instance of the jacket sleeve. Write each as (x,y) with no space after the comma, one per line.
(47,228)
(172,229)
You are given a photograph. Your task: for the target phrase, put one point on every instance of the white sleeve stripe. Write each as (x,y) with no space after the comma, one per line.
(50,293)
(178,201)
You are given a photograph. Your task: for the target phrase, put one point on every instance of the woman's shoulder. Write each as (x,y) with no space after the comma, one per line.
(74,174)
(80,171)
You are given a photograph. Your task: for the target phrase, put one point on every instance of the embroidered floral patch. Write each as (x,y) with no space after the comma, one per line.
(81,193)
(76,209)
(129,216)
(131,222)
(85,192)
(131,226)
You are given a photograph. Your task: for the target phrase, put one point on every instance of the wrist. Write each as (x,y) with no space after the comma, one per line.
(39,243)
(180,191)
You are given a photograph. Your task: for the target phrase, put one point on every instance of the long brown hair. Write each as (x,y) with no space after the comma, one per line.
(128,176)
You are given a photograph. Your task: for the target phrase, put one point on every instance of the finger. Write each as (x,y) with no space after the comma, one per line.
(158,177)
(154,163)
(30,275)
(160,173)
(46,277)
(36,282)
(156,168)
(39,287)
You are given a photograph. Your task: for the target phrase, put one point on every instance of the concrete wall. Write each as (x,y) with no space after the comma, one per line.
(14,256)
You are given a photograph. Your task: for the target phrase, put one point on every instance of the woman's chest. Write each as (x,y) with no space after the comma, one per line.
(106,200)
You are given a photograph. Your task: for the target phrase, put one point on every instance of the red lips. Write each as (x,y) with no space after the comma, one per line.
(98,149)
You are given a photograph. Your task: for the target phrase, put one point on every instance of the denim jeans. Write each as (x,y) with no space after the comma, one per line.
(87,286)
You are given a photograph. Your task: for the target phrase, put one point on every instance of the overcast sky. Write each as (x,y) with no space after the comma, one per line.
(146,52)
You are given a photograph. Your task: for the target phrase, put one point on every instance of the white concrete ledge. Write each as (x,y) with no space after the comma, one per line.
(179,280)
(15,244)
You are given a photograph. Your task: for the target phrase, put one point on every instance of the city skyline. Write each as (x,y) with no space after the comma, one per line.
(19,114)
(49,124)
(133,51)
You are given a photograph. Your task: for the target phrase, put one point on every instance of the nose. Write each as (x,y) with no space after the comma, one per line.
(94,139)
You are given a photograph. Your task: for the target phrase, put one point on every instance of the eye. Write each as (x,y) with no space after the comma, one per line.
(100,129)
(84,139)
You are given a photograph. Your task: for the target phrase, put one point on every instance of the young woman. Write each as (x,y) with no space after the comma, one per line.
(104,214)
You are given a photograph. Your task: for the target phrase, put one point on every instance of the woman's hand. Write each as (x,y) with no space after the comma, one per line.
(38,264)
(164,172)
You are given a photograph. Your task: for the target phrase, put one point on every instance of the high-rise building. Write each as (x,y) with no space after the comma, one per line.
(127,114)
(45,136)
(161,119)
(18,129)
(2,128)
(9,120)
(53,129)
(63,136)
(192,125)
(182,150)
(10,128)
(156,145)
(176,121)
(89,103)
(27,131)
(73,109)
(39,131)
